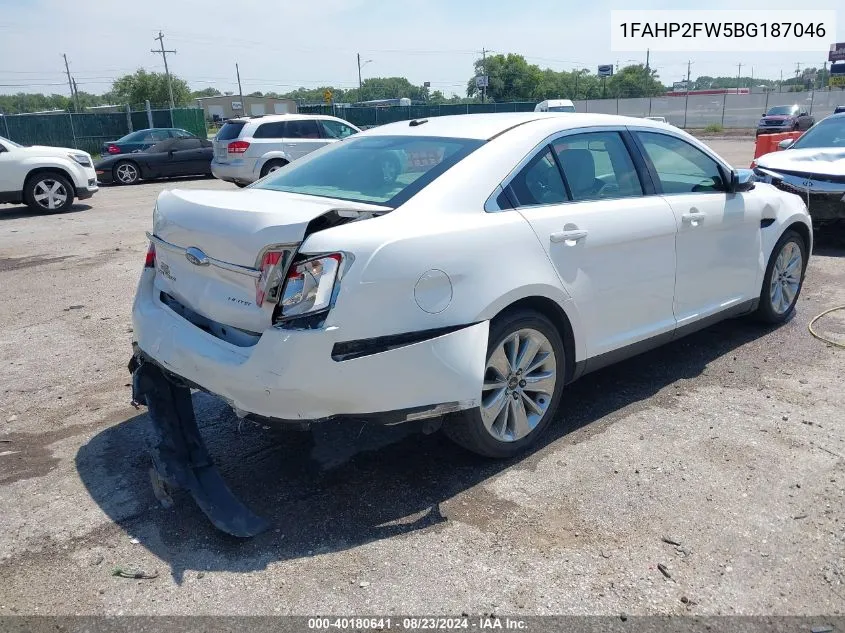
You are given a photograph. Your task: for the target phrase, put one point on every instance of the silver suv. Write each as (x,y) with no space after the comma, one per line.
(249,148)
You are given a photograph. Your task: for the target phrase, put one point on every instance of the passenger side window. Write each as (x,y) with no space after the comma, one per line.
(270,130)
(159,135)
(539,182)
(680,167)
(336,129)
(597,166)
(304,128)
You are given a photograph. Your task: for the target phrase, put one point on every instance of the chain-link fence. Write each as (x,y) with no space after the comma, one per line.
(694,111)
(89,130)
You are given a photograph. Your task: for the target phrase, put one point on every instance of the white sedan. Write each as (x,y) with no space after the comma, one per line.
(462,265)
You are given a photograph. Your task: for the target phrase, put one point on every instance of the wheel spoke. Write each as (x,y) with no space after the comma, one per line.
(511,346)
(55,187)
(528,353)
(531,405)
(788,293)
(540,383)
(41,196)
(499,363)
(492,407)
(519,419)
(539,360)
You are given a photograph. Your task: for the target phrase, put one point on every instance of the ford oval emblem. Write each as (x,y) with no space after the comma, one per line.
(196,256)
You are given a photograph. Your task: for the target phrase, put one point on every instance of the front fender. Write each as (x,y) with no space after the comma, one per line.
(64,165)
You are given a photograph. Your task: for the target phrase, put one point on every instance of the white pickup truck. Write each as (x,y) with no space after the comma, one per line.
(45,178)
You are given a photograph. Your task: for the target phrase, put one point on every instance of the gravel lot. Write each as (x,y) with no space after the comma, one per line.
(729,443)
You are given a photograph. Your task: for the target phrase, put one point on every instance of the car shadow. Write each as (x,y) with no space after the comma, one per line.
(343,485)
(114,185)
(19,211)
(830,241)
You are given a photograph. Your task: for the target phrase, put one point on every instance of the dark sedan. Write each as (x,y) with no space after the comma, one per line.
(142,139)
(786,118)
(173,157)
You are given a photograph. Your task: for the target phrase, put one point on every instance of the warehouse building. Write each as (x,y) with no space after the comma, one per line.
(222,107)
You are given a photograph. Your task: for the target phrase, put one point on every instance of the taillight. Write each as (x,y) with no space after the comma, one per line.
(113,149)
(150,260)
(270,280)
(238,147)
(309,286)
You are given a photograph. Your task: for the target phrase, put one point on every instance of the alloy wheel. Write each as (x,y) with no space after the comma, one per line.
(50,194)
(786,277)
(519,383)
(127,174)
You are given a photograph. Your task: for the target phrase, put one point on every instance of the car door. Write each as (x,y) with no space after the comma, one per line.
(12,170)
(612,245)
(302,136)
(719,240)
(186,157)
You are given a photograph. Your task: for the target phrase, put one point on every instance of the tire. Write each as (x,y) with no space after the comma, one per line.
(271,166)
(502,436)
(786,269)
(126,172)
(49,191)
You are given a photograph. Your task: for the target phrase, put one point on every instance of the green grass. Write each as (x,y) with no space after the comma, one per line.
(714,127)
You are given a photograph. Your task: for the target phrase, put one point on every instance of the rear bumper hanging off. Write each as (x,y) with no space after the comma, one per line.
(180,457)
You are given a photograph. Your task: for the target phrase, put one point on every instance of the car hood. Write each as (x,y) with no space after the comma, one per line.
(828,161)
(778,117)
(52,152)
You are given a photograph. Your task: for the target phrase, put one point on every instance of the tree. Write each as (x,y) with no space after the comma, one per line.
(136,88)
(510,78)
(634,81)
(205,92)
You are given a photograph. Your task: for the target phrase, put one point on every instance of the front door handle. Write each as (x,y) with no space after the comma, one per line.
(694,217)
(568,236)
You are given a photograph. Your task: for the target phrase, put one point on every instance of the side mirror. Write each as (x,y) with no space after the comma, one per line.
(786,143)
(742,180)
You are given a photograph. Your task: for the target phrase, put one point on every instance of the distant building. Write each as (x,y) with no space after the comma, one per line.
(223,107)
(713,91)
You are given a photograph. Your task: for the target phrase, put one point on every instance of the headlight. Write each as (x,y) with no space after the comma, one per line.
(82,159)
(309,286)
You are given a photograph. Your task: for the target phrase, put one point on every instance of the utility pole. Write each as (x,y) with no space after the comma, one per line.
(360,83)
(780,83)
(738,74)
(647,54)
(76,95)
(69,80)
(686,99)
(484,71)
(240,90)
(822,78)
(164,53)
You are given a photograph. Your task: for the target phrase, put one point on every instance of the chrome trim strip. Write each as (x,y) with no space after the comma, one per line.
(235,268)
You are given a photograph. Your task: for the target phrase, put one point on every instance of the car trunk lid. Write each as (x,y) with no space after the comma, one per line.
(208,245)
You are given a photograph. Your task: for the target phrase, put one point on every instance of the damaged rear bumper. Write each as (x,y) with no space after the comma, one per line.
(295,375)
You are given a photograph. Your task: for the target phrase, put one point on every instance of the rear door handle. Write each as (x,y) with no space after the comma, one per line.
(568,236)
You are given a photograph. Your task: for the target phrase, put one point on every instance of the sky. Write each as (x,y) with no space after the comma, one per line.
(281,46)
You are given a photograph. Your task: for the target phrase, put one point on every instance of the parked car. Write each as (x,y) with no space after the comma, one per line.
(813,168)
(45,178)
(247,149)
(839,109)
(143,139)
(658,119)
(173,157)
(338,288)
(555,105)
(785,118)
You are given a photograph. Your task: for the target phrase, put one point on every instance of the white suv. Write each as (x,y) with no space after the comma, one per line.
(247,149)
(45,178)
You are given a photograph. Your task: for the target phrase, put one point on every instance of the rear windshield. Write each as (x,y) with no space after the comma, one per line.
(230,130)
(385,170)
(562,109)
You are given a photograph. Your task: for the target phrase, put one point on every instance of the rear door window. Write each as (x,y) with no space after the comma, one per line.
(230,130)
(597,165)
(539,182)
(270,130)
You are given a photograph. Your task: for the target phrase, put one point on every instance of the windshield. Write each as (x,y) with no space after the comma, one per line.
(827,133)
(782,110)
(386,170)
(562,109)
(8,142)
(132,136)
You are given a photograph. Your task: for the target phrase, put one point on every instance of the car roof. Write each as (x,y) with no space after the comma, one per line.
(486,126)
(270,118)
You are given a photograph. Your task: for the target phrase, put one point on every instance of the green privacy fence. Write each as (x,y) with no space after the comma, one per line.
(88,131)
(366,117)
